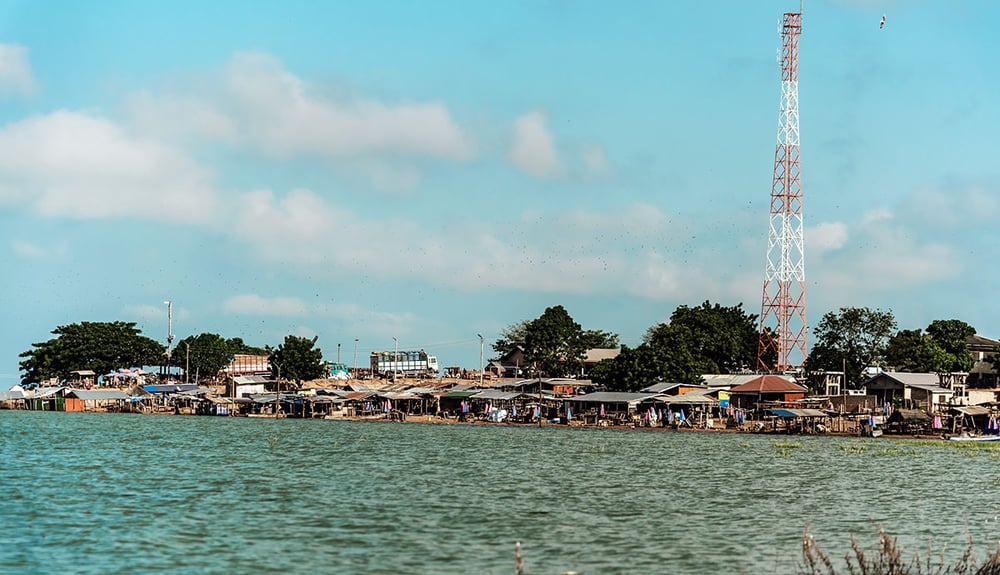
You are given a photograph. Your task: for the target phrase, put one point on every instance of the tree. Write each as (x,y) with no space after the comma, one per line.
(951,335)
(705,339)
(511,337)
(724,337)
(206,354)
(597,339)
(97,346)
(236,346)
(297,359)
(942,349)
(853,339)
(553,343)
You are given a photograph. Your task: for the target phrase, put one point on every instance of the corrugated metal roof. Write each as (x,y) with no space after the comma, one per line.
(250,379)
(732,379)
(97,394)
(972,410)
(661,387)
(421,390)
(788,412)
(463,393)
(768,384)
(13,394)
(496,394)
(46,391)
(614,397)
(690,399)
(599,354)
(170,388)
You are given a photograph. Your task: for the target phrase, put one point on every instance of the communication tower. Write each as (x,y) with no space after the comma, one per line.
(782,343)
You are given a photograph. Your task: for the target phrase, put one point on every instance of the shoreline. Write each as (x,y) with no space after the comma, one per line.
(436,420)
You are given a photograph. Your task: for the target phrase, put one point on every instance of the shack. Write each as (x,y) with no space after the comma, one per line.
(765,388)
(799,420)
(93,399)
(908,421)
(618,406)
(910,390)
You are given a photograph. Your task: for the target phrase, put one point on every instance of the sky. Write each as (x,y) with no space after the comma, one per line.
(430,171)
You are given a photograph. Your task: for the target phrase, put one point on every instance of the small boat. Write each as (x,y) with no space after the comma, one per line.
(974,438)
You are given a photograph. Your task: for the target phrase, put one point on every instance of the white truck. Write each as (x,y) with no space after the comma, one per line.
(395,364)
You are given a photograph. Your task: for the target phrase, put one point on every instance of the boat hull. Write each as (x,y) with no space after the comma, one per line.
(974,438)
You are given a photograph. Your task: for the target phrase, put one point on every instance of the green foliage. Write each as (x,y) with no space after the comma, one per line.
(855,336)
(297,359)
(511,337)
(941,349)
(206,354)
(236,346)
(97,346)
(553,344)
(699,340)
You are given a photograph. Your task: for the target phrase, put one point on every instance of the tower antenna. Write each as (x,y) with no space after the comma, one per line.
(782,342)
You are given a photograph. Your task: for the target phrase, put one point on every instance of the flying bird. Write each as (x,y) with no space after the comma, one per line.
(882,23)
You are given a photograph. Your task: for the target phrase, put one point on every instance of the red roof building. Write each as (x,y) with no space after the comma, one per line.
(767,388)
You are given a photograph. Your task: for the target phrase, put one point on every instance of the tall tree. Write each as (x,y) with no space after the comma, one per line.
(511,337)
(724,337)
(236,345)
(951,335)
(297,359)
(914,351)
(207,353)
(553,343)
(709,338)
(97,346)
(853,338)
(941,349)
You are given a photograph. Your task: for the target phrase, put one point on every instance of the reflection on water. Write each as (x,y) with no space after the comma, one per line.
(96,493)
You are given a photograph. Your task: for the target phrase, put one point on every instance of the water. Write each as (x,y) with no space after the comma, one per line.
(115,493)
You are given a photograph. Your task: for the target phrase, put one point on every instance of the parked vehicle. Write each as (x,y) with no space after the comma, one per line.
(393,364)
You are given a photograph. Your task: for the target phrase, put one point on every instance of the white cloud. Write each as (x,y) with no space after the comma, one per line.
(876,215)
(253,304)
(281,114)
(532,149)
(596,161)
(951,207)
(578,252)
(15,72)
(154,313)
(28,250)
(825,237)
(182,118)
(81,166)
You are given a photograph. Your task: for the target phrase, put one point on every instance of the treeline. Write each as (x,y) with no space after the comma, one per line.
(709,338)
(712,338)
(103,347)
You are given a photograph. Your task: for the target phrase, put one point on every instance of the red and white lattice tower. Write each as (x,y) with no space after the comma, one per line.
(782,344)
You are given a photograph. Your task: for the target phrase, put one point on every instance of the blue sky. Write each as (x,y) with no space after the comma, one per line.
(434,170)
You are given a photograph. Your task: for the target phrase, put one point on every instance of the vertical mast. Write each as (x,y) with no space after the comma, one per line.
(782,343)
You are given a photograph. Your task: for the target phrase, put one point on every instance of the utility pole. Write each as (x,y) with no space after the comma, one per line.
(170,332)
(355,375)
(395,357)
(480,359)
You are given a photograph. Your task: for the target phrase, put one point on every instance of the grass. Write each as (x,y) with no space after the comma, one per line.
(888,558)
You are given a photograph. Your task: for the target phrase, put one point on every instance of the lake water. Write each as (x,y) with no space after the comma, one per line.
(115,493)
